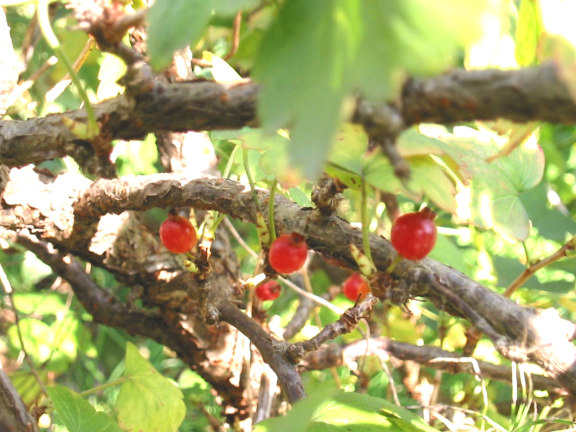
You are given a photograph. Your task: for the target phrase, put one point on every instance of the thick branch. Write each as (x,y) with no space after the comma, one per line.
(531,94)
(520,333)
(273,352)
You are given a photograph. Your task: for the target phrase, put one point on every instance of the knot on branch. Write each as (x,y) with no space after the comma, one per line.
(326,194)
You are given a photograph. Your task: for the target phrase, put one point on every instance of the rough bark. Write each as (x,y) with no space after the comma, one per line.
(519,333)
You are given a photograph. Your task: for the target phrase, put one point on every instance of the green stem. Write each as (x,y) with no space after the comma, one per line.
(271,202)
(250,180)
(230,162)
(365,223)
(103,387)
(52,40)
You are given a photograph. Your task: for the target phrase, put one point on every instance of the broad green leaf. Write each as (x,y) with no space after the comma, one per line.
(318,54)
(173,24)
(77,414)
(529,27)
(38,337)
(147,401)
(492,198)
(549,222)
(334,410)
(40,303)
(350,162)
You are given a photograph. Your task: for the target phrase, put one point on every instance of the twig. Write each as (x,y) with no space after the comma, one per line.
(534,267)
(345,324)
(235,36)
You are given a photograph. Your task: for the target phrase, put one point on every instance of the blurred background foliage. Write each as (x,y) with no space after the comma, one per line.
(495,218)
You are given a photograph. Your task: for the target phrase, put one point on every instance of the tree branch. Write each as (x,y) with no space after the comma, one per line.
(338,355)
(531,94)
(519,333)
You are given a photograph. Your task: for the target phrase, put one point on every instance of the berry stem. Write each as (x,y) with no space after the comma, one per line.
(394,263)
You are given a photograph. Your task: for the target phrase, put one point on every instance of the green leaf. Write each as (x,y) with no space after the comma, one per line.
(230,7)
(334,410)
(317,54)
(550,222)
(77,414)
(493,200)
(529,27)
(173,24)
(350,162)
(147,401)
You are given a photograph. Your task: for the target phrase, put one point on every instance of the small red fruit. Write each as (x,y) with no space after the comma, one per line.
(288,253)
(177,234)
(413,235)
(355,286)
(268,291)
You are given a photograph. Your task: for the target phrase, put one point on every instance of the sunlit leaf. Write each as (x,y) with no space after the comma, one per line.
(529,27)
(147,401)
(332,410)
(77,414)
(495,186)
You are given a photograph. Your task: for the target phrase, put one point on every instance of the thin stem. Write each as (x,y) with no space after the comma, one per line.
(8,290)
(230,162)
(312,297)
(54,43)
(365,222)
(103,387)
(271,209)
(250,179)
(533,268)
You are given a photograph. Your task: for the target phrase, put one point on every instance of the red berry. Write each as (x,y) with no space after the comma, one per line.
(268,291)
(413,235)
(355,286)
(177,234)
(288,253)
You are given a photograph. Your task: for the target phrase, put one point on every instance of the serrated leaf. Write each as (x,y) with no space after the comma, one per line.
(173,24)
(333,410)
(77,414)
(317,54)
(147,401)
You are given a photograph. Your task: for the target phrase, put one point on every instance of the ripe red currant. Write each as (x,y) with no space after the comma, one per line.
(288,253)
(268,291)
(177,234)
(413,235)
(355,286)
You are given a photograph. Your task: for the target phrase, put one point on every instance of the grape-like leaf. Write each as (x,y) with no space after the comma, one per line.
(77,414)
(147,401)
